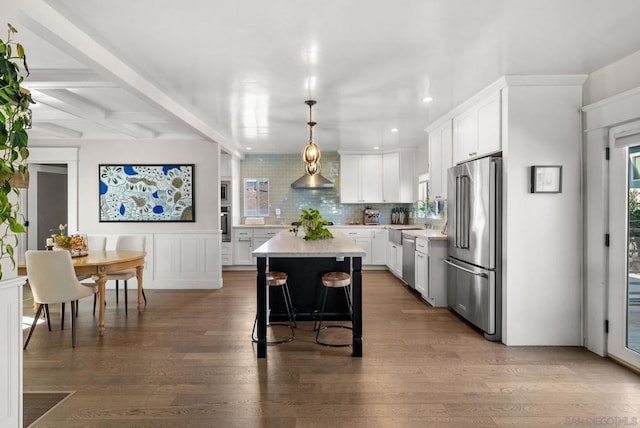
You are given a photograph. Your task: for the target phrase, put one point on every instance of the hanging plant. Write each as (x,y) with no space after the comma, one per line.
(15,118)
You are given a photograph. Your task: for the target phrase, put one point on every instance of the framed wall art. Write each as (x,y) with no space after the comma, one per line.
(546,179)
(143,193)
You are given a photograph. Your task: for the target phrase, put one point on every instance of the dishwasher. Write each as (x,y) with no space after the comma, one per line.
(409,260)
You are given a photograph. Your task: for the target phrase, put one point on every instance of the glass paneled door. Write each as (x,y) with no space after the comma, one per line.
(624,251)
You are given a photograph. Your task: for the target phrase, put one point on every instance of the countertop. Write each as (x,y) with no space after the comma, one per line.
(333,226)
(430,234)
(412,229)
(286,244)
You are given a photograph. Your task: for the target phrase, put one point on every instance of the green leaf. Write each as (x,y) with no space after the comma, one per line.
(16,227)
(20,50)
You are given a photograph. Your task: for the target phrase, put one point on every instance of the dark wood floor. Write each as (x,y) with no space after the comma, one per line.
(188,361)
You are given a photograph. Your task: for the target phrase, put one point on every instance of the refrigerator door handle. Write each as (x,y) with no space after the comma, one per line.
(480,274)
(465,182)
(457,213)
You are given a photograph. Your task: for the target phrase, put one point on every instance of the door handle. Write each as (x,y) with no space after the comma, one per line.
(480,274)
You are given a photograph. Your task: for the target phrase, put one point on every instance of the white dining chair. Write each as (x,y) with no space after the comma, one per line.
(127,243)
(53,280)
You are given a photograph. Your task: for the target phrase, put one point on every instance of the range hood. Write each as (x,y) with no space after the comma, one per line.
(315,181)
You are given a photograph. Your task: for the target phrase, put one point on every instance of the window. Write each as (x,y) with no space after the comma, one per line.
(256,197)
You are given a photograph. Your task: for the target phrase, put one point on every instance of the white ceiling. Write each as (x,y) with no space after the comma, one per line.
(237,72)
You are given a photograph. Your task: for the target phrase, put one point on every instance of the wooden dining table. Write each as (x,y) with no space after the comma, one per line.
(97,264)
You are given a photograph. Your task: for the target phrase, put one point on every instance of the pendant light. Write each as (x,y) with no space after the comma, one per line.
(312,179)
(311,152)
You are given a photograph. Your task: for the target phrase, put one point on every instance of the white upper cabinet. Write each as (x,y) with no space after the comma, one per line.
(440,159)
(377,178)
(489,125)
(397,186)
(360,178)
(371,178)
(476,132)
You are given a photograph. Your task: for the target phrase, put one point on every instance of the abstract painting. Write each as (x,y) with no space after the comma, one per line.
(132,193)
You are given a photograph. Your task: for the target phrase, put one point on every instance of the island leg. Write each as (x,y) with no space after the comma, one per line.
(356,291)
(261,292)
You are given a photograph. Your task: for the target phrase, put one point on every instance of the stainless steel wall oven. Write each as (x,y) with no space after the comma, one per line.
(225,223)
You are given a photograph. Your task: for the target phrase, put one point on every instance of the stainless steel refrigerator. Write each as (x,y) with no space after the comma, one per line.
(474,205)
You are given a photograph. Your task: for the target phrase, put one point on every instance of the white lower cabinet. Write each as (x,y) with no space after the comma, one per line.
(394,259)
(379,241)
(422,272)
(431,280)
(226,254)
(247,239)
(362,237)
(243,247)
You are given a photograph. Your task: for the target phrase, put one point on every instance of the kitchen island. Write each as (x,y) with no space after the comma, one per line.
(305,262)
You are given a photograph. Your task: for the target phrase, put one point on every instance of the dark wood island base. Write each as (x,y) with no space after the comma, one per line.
(305,262)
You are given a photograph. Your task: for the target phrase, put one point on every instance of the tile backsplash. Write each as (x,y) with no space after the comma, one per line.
(283,169)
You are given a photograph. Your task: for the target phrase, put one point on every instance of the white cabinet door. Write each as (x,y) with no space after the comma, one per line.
(371,178)
(242,246)
(394,259)
(464,136)
(422,273)
(391,183)
(226,254)
(477,132)
(437,273)
(360,178)
(439,161)
(366,244)
(489,125)
(398,177)
(435,164)
(379,241)
(349,179)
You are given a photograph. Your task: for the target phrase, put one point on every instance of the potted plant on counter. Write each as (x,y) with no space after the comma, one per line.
(314,225)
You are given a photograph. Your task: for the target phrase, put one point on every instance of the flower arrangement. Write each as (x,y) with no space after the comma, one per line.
(77,244)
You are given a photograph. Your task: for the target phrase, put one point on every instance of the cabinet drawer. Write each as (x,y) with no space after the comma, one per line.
(356,233)
(422,246)
(243,233)
(266,233)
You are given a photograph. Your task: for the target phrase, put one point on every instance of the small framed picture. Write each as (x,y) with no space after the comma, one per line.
(546,179)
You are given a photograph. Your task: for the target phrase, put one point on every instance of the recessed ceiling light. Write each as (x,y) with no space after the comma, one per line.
(394,129)
(427,99)
(376,148)
(248,149)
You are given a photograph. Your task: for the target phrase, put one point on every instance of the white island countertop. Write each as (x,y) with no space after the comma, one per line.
(286,244)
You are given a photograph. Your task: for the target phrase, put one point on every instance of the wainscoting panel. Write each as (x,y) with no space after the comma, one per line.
(186,260)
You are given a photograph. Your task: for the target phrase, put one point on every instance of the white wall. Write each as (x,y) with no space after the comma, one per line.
(179,255)
(203,154)
(615,78)
(542,232)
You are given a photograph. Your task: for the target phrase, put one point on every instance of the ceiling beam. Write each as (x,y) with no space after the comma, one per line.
(45,78)
(49,24)
(57,129)
(73,104)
